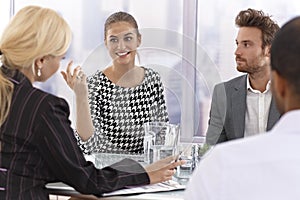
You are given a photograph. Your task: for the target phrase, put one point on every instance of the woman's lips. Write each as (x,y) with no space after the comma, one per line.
(122,54)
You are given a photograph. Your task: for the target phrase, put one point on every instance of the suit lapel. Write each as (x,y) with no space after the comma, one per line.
(274,115)
(239,107)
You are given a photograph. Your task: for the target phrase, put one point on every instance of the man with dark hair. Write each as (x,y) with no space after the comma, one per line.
(264,166)
(243,106)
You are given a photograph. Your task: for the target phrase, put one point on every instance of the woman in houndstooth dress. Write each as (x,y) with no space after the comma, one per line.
(122,97)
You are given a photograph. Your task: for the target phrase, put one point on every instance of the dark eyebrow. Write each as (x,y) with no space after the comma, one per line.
(128,34)
(244,41)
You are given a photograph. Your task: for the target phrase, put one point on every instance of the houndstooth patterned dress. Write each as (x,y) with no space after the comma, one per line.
(119,113)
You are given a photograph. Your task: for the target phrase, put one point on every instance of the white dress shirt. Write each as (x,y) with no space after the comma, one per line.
(257,110)
(265,166)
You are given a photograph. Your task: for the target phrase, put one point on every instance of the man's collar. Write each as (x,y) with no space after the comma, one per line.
(254,90)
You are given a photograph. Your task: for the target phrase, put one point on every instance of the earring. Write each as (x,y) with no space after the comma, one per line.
(39,73)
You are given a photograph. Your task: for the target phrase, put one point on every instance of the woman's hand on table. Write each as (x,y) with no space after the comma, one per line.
(163,170)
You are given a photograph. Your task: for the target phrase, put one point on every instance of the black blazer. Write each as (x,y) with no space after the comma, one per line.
(228,109)
(38,146)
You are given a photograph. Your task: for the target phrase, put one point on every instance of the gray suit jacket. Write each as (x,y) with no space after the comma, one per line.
(228,108)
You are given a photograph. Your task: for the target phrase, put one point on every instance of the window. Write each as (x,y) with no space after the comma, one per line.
(190,43)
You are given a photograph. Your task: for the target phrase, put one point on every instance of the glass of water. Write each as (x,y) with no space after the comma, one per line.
(160,141)
(189,153)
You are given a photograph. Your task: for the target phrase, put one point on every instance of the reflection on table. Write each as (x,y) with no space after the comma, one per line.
(62,189)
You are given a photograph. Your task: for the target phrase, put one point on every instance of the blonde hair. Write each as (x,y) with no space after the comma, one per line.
(32,33)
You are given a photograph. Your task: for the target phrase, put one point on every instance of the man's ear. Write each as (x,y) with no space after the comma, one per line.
(267,50)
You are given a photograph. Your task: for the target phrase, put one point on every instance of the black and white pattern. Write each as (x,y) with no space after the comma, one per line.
(119,113)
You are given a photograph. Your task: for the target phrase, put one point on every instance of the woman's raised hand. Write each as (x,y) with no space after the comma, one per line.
(76,80)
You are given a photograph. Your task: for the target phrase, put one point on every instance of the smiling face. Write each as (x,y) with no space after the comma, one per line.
(122,41)
(250,56)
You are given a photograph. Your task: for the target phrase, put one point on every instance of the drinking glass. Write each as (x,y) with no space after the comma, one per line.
(160,141)
(189,153)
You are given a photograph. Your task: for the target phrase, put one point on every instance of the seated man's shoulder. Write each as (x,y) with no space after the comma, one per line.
(233,83)
(236,80)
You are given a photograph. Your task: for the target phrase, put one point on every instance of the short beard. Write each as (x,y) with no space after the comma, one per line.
(241,69)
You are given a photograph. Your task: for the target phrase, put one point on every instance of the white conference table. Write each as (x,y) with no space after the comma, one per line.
(61,189)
